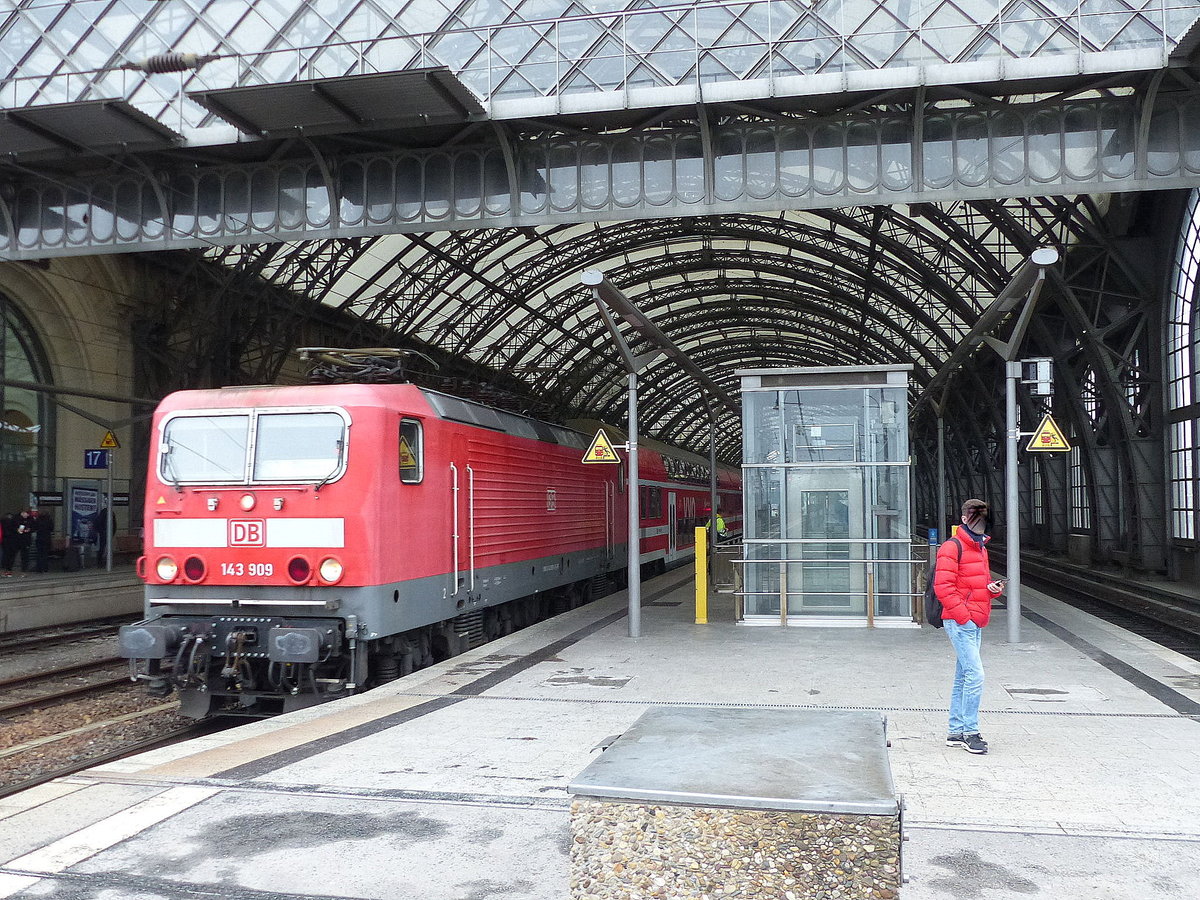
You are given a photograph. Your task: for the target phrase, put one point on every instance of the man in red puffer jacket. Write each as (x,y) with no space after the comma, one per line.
(963,584)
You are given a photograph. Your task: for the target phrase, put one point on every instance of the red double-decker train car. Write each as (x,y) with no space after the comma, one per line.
(305,542)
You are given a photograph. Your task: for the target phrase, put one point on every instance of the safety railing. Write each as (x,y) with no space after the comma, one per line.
(772,578)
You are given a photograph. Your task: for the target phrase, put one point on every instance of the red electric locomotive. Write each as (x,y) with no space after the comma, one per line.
(305,542)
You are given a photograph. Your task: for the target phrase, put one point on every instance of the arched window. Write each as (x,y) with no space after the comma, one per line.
(1183,343)
(26,417)
(1080,505)
(1090,395)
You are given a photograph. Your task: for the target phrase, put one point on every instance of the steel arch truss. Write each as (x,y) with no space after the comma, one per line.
(1100,320)
(836,287)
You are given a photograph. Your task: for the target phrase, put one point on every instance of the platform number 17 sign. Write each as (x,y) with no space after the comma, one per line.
(95,459)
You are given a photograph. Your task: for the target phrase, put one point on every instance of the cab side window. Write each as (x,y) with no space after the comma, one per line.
(412,452)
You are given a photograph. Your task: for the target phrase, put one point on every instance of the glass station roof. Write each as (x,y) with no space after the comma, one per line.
(831,287)
(857,286)
(544,57)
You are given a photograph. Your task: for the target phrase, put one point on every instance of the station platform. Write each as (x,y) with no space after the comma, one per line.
(450,784)
(40,600)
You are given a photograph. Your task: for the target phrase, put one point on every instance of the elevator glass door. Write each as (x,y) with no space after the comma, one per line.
(824,544)
(825,573)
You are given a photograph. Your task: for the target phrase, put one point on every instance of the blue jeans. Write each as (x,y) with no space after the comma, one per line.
(968,677)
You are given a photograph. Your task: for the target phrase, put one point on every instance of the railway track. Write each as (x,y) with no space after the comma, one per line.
(49,637)
(1157,614)
(194,729)
(38,679)
(76,669)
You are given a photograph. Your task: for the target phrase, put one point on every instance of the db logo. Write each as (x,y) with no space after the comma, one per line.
(246,533)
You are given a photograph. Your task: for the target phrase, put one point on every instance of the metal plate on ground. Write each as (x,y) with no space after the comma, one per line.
(804,760)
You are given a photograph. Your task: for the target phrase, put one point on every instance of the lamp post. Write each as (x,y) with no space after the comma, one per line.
(609,297)
(1021,291)
(1039,261)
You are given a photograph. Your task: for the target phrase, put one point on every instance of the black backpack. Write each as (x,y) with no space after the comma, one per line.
(933,606)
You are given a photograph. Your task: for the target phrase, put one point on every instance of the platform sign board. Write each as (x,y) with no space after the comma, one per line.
(1048,438)
(601,450)
(95,459)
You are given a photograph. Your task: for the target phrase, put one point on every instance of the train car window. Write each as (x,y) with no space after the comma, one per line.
(210,449)
(308,446)
(412,452)
(651,503)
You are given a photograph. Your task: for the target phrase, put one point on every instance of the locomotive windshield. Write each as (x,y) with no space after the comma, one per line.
(287,447)
(298,446)
(205,448)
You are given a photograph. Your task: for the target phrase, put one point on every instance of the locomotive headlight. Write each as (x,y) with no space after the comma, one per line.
(330,570)
(166,568)
(247,502)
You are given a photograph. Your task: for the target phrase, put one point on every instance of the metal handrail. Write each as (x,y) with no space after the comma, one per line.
(454,528)
(471,523)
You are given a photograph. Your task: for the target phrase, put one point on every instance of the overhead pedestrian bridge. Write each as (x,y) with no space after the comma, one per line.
(370,126)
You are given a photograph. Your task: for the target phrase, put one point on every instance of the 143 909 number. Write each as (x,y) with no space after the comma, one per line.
(252,570)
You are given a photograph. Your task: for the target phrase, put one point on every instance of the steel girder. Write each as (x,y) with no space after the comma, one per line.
(938,274)
(906,146)
(835,287)
(1100,320)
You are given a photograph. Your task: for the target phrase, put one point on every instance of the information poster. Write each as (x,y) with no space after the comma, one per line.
(83,505)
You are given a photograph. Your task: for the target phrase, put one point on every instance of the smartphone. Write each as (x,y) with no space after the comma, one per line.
(998,585)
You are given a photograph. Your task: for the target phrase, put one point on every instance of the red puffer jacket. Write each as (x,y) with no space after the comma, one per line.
(961,584)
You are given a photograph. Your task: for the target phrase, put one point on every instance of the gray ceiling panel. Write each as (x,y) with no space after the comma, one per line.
(351,103)
(93,126)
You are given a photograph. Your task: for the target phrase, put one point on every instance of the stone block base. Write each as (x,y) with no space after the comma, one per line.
(631,851)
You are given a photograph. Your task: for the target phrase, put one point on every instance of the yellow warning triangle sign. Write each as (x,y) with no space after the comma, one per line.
(1048,438)
(408,459)
(601,450)
(109,442)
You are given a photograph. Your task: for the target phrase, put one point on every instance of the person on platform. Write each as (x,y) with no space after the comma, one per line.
(722,530)
(961,582)
(100,525)
(8,543)
(24,539)
(43,536)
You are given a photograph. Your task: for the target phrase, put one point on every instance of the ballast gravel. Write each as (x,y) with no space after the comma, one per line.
(633,851)
(43,758)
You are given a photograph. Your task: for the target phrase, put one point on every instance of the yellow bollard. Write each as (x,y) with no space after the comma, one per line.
(701,576)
